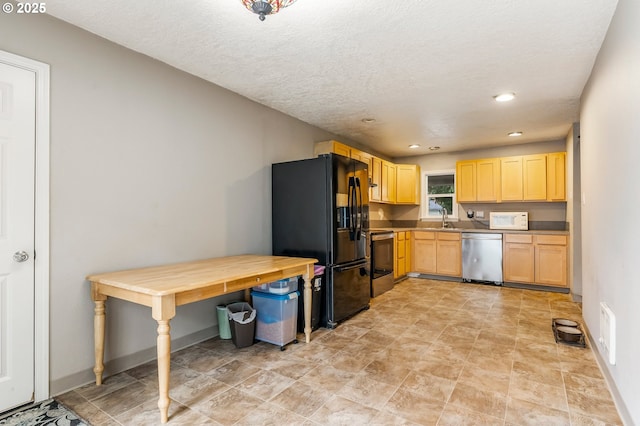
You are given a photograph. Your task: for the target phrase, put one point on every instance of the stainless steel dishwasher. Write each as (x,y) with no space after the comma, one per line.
(482,257)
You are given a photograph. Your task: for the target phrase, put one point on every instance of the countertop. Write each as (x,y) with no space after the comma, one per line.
(476,230)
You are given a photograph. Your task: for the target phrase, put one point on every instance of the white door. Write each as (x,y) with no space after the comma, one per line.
(17,179)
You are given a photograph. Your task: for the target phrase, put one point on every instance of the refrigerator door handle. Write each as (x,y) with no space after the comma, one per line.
(352,208)
(350,267)
(360,211)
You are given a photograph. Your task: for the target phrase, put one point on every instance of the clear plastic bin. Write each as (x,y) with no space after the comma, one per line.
(279,287)
(277,317)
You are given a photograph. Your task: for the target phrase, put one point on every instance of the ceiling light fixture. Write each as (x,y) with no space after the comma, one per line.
(515,134)
(505,97)
(266,7)
(414,146)
(368,120)
(434,148)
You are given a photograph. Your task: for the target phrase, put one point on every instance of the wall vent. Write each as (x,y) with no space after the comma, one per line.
(607,337)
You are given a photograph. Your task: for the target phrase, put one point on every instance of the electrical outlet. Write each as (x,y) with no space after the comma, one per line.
(480,214)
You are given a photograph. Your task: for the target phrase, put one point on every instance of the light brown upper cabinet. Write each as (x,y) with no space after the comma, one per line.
(511,179)
(556,177)
(478,180)
(407,184)
(389,173)
(376,180)
(391,183)
(534,177)
(488,179)
(336,147)
(466,181)
(539,177)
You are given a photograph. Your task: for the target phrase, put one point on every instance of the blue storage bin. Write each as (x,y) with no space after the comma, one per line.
(276,317)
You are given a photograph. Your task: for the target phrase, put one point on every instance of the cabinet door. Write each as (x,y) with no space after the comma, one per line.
(376,179)
(488,179)
(407,251)
(326,147)
(424,256)
(551,265)
(556,177)
(534,175)
(388,182)
(449,254)
(466,181)
(399,266)
(341,149)
(518,262)
(511,179)
(551,260)
(408,182)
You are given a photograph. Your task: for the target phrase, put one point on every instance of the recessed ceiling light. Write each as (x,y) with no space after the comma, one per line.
(505,97)
(434,148)
(515,134)
(414,146)
(368,120)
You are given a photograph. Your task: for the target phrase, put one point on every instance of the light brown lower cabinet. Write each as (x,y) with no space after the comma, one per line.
(437,253)
(402,257)
(424,252)
(399,266)
(535,259)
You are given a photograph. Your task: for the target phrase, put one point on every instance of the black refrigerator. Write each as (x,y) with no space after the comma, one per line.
(320,209)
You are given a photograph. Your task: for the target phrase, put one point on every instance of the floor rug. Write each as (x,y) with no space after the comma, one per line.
(49,412)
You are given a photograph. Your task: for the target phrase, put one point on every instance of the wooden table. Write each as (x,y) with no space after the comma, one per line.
(162,288)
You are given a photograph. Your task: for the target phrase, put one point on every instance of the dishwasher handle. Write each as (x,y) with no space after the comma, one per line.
(480,236)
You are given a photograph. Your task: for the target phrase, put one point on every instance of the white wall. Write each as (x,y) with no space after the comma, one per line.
(610,155)
(149,165)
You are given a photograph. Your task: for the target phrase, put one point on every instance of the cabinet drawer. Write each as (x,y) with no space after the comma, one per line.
(400,236)
(518,238)
(424,235)
(256,280)
(559,240)
(449,236)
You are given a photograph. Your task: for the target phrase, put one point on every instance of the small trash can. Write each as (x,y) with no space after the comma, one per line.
(223,322)
(242,322)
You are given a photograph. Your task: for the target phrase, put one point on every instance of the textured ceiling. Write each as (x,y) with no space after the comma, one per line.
(426,70)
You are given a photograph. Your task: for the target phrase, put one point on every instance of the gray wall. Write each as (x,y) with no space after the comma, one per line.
(610,155)
(149,165)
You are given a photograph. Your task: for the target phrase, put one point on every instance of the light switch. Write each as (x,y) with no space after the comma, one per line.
(480,214)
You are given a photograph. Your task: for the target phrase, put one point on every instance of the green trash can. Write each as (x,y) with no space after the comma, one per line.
(223,322)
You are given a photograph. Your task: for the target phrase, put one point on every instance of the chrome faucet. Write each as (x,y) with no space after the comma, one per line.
(444,217)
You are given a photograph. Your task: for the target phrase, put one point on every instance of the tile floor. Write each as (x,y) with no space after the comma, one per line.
(428,352)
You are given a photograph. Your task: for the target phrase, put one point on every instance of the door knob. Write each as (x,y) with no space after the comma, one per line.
(20,256)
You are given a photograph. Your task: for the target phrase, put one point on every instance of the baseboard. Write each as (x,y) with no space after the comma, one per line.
(118,365)
(625,416)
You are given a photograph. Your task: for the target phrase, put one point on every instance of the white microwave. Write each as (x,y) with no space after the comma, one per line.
(509,220)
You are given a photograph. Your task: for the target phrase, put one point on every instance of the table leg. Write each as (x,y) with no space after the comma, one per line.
(164,363)
(98,339)
(163,309)
(308,294)
(98,331)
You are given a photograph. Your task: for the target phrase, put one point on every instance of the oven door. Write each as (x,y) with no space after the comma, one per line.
(381,255)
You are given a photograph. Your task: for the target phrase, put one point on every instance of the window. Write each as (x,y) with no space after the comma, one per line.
(439,193)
